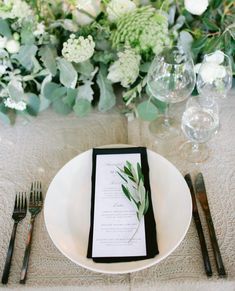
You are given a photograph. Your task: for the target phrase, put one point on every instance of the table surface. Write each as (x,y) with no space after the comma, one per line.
(36,149)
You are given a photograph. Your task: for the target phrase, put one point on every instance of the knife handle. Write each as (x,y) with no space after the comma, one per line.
(205,255)
(215,246)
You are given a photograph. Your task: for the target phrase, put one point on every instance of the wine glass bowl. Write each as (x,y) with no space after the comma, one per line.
(170,79)
(200,122)
(214,77)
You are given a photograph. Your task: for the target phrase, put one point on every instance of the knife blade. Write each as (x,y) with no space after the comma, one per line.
(202,197)
(206,260)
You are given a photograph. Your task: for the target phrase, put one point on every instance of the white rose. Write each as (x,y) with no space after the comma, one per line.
(209,72)
(13,46)
(217,57)
(117,8)
(196,7)
(3,41)
(92,7)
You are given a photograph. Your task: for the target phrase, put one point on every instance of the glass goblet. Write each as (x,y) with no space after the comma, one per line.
(170,79)
(214,77)
(200,121)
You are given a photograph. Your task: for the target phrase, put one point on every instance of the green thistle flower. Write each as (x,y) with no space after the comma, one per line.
(144,29)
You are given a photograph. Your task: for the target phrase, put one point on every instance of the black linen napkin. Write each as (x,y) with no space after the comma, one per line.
(150,225)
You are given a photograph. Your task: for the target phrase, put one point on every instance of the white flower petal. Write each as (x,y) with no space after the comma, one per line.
(217,57)
(117,8)
(196,7)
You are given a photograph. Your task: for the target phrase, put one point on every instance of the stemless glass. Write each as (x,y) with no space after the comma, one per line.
(170,79)
(200,121)
(214,77)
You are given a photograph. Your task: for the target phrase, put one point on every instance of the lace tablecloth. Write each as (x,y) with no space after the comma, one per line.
(37,149)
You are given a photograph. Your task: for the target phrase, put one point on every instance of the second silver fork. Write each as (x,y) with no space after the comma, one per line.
(35,206)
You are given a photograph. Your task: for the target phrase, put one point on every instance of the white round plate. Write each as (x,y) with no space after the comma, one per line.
(67,211)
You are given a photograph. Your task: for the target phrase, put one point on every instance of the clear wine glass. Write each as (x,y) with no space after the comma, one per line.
(214,77)
(200,121)
(171,79)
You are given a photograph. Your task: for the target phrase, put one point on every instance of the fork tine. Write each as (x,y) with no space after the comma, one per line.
(31,194)
(20,200)
(25,201)
(15,206)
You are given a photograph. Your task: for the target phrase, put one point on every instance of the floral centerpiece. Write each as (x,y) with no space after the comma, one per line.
(70,54)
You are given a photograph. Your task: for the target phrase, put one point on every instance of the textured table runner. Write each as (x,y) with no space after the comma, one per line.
(39,148)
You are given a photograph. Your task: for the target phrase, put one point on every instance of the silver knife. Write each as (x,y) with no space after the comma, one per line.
(202,197)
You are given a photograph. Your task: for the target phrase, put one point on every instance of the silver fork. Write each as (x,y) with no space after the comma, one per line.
(35,206)
(19,212)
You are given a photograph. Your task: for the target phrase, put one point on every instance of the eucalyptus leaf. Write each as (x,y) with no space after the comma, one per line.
(85,68)
(5,28)
(70,97)
(68,75)
(53,91)
(82,107)
(48,58)
(185,40)
(33,104)
(26,34)
(25,56)
(44,103)
(60,107)
(147,111)
(85,91)
(107,96)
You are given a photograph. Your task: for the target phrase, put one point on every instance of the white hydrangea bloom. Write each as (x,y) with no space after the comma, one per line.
(117,8)
(91,7)
(10,103)
(19,9)
(79,49)
(40,29)
(126,69)
(196,7)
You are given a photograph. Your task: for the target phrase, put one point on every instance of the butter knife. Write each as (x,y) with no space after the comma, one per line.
(202,197)
(206,260)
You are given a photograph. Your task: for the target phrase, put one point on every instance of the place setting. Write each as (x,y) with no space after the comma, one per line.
(116,135)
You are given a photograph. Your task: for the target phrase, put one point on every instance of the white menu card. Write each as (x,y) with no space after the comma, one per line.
(115,220)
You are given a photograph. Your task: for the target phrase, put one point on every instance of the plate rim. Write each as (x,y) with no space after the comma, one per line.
(133,269)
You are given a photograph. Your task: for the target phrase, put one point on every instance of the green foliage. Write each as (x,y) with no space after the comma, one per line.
(26,55)
(147,110)
(4,28)
(68,75)
(107,96)
(36,73)
(133,187)
(47,55)
(82,107)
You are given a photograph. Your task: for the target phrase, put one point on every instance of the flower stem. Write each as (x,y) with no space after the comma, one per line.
(134,232)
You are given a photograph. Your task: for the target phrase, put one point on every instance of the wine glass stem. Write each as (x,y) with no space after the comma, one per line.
(166,115)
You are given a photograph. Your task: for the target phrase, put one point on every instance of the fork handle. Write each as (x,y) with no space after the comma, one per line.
(7,266)
(24,268)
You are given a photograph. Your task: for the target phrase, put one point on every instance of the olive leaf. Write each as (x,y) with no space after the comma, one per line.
(134,189)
